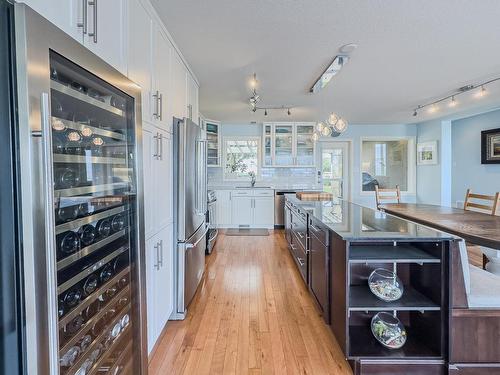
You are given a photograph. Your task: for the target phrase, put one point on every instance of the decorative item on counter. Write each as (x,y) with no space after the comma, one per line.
(385,285)
(388,330)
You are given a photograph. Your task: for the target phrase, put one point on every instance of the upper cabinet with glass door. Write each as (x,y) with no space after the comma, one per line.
(213,147)
(288,144)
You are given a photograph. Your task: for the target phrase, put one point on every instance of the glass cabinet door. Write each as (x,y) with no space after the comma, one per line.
(213,144)
(304,145)
(283,145)
(93,146)
(268,142)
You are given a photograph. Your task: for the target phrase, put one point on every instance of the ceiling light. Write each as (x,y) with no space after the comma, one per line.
(332,70)
(433,108)
(265,112)
(326,131)
(453,102)
(415,113)
(253,81)
(481,92)
(348,48)
(289,112)
(340,126)
(320,126)
(315,137)
(333,118)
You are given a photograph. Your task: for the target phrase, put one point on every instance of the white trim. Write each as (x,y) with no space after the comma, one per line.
(350,156)
(244,138)
(412,162)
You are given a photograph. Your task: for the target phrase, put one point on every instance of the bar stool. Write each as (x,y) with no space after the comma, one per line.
(387,195)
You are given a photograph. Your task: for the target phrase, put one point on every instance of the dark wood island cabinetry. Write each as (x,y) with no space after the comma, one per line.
(344,243)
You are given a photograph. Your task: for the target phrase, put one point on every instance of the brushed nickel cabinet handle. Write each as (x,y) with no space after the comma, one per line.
(157,248)
(160,106)
(94,31)
(83,24)
(160,261)
(155,155)
(160,141)
(156,106)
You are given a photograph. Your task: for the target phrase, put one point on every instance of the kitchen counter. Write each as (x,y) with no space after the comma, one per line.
(353,222)
(273,186)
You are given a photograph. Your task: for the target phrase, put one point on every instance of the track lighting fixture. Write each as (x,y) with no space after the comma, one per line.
(289,113)
(255,99)
(432,107)
(265,112)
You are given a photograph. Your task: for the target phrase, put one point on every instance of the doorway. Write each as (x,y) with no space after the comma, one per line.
(334,166)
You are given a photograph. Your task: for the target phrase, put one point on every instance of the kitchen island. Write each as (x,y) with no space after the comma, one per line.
(337,245)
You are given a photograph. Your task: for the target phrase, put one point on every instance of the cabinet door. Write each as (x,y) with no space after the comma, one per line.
(304,145)
(283,144)
(162,81)
(192,95)
(242,210)
(263,211)
(319,273)
(164,188)
(223,208)
(140,31)
(106,31)
(179,91)
(268,145)
(150,145)
(151,293)
(67,15)
(165,282)
(213,145)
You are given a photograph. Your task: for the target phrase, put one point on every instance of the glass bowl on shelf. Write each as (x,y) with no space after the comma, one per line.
(388,330)
(385,285)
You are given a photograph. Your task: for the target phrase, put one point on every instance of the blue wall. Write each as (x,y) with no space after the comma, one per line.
(459,168)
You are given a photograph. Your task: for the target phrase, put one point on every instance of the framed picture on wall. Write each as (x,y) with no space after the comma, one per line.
(490,146)
(427,153)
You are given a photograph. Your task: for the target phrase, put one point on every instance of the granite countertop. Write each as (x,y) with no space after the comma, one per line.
(353,222)
(262,185)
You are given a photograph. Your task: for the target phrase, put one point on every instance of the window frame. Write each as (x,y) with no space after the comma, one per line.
(412,162)
(224,156)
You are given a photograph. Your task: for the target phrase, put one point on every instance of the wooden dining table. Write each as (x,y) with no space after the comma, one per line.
(475,227)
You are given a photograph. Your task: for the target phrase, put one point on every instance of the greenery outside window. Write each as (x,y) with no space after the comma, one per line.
(241,157)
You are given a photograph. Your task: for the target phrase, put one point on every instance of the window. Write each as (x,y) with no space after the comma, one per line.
(241,157)
(387,163)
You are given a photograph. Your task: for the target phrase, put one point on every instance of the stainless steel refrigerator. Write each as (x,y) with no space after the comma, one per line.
(81,194)
(190,197)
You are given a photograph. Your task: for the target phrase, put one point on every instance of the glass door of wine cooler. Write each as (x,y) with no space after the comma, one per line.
(95,198)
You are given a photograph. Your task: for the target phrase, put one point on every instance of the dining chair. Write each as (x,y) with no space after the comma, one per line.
(393,195)
(489,203)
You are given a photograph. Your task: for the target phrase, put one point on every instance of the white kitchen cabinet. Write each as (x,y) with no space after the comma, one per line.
(140,55)
(223,208)
(179,87)
(252,207)
(242,210)
(157,181)
(263,211)
(213,143)
(159,276)
(192,98)
(162,81)
(288,144)
(67,15)
(106,31)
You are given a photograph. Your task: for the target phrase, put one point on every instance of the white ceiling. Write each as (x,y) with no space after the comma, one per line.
(410,52)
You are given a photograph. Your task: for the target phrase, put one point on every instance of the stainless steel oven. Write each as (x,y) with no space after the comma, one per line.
(212,220)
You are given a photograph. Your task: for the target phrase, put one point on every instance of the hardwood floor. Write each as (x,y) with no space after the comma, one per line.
(251,315)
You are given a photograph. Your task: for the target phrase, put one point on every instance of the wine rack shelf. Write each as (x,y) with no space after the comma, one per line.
(110,188)
(75,224)
(69,260)
(98,131)
(79,277)
(82,159)
(84,98)
(95,368)
(92,298)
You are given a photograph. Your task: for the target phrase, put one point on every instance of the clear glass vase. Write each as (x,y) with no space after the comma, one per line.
(386,285)
(388,330)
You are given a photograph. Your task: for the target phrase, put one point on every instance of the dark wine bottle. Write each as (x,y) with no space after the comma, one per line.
(73,143)
(103,228)
(118,222)
(73,326)
(68,243)
(66,178)
(96,146)
(91,310)
(67,213)
(106,273)
(90,285)
(87,235)
(72,297)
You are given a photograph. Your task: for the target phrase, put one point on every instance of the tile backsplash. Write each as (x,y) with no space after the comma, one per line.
(282,176)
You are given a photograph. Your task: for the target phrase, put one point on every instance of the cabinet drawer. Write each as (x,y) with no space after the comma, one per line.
(319,231)
(300,257)
(401,368)
(299,229)
(263,193)
(242,192)
(475,369)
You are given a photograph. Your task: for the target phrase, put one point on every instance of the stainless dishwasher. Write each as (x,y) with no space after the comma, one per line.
(279,207)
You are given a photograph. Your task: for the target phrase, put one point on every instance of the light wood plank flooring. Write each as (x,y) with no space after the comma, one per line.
(251,315)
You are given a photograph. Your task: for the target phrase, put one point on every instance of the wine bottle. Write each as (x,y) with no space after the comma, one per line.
(67,178)
(73,326)
(106,273)
(103,228)
(73,143)
(90,285)
(72,297)
(68,243)
(87,234)
(67,213)
(118,222)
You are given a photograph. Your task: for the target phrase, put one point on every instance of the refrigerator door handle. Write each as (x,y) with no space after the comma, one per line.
(160,106)
(50,243)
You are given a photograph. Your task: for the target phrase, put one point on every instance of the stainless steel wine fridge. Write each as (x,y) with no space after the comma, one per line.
(81,206)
